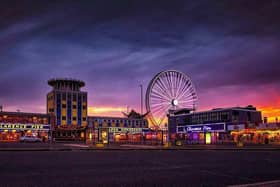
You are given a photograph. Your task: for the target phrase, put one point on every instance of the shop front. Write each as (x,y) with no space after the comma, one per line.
(257,136)
(12,132)
(127,135)
(201,134)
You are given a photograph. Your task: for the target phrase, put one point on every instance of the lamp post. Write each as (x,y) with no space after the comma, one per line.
(141,90)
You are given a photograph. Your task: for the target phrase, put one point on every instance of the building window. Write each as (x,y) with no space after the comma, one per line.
(74,106)
(63,117)
(84,98)
(63,105)
(74,118)
(84,107)
(84,119)
(64,96)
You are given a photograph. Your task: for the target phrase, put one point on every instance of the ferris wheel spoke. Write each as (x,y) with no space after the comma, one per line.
(165,84)
(163,88)
(171,83)
(156,103)
(182,88)
(190,95)
(186,89)
(187,101)
(161,108)
(179,80)
(185,97)
(190,105)
(158,106)
(161,92)
(176,84)
(157,112)
(174,80)
(159,95)
(168,78)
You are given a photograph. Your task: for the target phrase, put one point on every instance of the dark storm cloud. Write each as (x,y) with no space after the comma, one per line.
(116,45)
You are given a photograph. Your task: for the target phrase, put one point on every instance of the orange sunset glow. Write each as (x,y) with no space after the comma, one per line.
(106,111)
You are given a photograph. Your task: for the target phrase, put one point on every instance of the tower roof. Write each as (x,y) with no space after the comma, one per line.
(53,82)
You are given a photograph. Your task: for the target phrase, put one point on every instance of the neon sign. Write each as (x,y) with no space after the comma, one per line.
(217,127)
(20,126)
(124,130)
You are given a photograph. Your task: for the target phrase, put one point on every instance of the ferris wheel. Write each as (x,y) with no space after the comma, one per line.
(169,90)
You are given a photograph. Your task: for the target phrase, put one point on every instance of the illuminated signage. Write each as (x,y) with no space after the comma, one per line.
(124,130)
(216,127)
(208,138)
(20,126)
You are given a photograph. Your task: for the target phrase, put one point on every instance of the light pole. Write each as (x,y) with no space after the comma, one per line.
(141,90)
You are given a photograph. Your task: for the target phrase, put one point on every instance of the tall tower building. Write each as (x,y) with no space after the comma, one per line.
(67,102)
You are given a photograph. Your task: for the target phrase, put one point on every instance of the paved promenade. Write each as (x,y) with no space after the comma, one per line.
(87,147)
(142,167)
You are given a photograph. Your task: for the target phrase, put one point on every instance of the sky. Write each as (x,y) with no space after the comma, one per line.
(230,50)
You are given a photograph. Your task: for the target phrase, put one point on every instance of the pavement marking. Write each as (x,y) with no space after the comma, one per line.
(226,175)
(76,145)
(156,168)
(139,146)
(264,184)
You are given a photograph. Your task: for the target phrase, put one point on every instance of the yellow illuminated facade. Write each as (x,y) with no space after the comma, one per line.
(67,102)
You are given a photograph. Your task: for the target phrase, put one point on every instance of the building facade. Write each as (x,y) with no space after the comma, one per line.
(14,125)
(213,124)
(68,104)
(117,129)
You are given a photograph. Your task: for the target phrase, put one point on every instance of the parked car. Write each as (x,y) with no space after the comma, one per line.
(30,139)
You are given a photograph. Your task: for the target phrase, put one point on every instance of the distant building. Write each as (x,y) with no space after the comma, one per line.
(69,105)
(14,125)
(265,120)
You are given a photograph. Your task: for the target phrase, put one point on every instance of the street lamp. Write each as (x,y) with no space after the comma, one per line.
(141,90)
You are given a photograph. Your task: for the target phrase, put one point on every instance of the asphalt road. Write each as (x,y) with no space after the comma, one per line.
(138,168)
